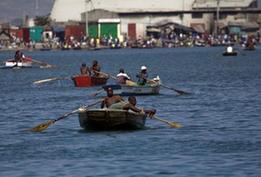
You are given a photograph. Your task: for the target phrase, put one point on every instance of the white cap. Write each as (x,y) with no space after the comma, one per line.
(229,49)
(143,68)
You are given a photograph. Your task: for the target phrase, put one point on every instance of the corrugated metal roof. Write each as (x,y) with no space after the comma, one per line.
(223,3)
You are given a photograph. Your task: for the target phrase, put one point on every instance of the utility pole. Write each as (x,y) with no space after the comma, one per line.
(36,8)
(86,17)
(217,16)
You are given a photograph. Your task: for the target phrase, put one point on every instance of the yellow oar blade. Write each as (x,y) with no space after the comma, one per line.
(171,124)
(175,125)
(41,127)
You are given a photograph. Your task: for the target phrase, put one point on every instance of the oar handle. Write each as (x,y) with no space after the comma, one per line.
(76,110)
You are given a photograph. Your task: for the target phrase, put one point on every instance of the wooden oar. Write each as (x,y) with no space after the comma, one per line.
(51,79)
(180,92)
(41,127)
(98,92)
(45,65)
(171,124)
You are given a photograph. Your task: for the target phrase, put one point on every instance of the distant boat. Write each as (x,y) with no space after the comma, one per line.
(230,52)
(25,63)
(134,89)
(111,119)
(250,48)
(125,90)
(45,49)
(88,81)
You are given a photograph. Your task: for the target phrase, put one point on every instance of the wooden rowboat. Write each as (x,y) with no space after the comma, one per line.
(127,90)
(88,81)
(111,119)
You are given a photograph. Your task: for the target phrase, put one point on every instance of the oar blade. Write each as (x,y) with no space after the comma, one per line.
(175,125)
(41,127)
(45,80)
(180,92)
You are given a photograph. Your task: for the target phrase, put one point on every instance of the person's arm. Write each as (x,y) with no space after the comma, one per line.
(89,71)
(131,107)
(150,112)
(98,68)
(103,103)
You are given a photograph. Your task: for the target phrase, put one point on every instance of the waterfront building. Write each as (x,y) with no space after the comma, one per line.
(137,18)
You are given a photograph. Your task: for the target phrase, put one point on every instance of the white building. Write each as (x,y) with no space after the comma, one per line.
(132,17)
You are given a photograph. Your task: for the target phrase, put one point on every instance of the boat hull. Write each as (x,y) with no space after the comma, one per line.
(11,64)
(125,90)
(230,54)
(111,119)
(25,63)
(88,81)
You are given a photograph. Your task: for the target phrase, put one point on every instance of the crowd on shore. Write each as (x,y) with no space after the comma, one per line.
(169,41)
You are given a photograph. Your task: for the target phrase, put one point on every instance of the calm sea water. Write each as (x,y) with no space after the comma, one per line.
(221,118)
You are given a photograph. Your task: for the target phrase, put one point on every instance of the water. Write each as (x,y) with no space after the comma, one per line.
(221,118)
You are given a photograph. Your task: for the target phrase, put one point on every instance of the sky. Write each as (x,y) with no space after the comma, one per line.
(12,9)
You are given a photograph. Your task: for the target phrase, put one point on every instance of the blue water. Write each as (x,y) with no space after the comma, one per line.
(221,118)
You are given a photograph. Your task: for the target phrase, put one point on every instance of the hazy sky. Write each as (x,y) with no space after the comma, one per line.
(11,9)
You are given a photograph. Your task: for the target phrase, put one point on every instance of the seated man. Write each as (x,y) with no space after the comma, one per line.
(131,105)
(85,70)
(142,76)
(111,99)
(122,77)
(96,68)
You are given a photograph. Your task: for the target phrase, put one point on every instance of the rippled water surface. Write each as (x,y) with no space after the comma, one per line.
(221,118)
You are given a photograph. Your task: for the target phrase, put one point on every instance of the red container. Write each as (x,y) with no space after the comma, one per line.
(76,31)
(87,81)
(82,81)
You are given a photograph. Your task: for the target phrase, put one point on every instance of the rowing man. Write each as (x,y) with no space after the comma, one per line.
(117,102)
(111,99)
(122,77)
(142,76)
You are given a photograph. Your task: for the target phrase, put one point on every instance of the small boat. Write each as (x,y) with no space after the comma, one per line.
(111,119)
(234,53)
(88,81)
(77,48)
(230,52)
(45,49)
(25,63)
(127,90)
(250,48)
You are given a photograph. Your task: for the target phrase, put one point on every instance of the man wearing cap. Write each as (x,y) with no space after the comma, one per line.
(143,76)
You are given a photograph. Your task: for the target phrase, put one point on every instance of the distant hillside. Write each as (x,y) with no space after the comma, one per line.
(13,9)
